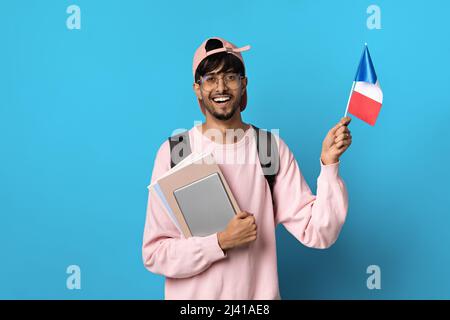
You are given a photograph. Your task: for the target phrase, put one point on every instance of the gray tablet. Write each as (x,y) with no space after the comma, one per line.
(205,205)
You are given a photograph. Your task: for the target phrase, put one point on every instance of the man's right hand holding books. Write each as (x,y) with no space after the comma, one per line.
(240,231)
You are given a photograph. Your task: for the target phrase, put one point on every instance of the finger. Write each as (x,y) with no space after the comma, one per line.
(343,143)
(348,143)
(342,149)
(246,235)
(345,121)
(341,137)
(250,234)
(249,239)
(251,220)
(335,128)
(342,129)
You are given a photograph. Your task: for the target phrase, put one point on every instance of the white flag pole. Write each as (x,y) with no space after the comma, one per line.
(351,91)
(349,97)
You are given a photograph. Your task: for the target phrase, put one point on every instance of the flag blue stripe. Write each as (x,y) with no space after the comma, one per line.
(366,71)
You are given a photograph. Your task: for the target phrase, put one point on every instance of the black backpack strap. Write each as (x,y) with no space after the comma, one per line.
(269,159)
(180,147)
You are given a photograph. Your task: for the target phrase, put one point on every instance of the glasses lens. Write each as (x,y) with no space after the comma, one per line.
(231,80)
(209,82)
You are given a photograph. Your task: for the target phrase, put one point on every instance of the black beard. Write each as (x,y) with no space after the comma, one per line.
(223,117)
(220,116)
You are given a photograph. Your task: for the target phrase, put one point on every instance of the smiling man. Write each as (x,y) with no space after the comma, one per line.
(240,261)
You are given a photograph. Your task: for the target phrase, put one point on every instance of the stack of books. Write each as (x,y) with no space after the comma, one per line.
(196,196)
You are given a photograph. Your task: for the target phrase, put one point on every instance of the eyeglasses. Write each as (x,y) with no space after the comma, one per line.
(211,81)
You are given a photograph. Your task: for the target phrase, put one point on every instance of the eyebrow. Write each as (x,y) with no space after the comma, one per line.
(214,73)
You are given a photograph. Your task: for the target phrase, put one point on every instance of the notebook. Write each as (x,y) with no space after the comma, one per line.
(196,196)
(205,205)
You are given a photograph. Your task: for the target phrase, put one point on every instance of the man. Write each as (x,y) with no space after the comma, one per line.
(240,262)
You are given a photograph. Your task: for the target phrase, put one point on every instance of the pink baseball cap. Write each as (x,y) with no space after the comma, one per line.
(201,54)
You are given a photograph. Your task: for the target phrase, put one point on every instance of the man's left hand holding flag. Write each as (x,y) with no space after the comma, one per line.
(336,142)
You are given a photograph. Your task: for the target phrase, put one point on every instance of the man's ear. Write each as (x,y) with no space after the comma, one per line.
(244,83)
(197,92)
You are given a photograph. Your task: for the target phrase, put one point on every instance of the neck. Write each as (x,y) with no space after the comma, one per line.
(223,125)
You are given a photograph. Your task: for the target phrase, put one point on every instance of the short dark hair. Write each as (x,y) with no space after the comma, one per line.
(229,62)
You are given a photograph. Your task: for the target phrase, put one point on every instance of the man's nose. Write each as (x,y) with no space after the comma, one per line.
(221,85)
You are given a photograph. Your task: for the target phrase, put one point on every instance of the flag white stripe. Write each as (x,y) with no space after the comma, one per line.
(372,91)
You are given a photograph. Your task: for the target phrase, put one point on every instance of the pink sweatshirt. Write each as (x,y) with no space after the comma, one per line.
(197,268)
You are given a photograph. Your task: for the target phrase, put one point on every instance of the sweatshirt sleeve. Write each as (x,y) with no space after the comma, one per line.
(315,220)
(165,250)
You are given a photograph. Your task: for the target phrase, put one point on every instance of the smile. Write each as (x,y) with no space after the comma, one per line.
(221,99)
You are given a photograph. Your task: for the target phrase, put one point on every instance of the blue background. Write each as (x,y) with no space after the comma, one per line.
(83,112)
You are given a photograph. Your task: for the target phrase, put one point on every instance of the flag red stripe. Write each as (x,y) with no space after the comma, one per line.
(364,108)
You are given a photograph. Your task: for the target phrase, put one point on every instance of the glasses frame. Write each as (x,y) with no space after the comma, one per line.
(200,81)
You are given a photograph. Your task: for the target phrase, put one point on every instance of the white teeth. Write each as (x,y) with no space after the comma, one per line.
(221,99)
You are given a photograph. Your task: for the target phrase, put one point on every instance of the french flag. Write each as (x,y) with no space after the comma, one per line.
(366,96)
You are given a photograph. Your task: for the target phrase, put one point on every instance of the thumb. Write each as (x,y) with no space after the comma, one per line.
(242,215)
(345,120)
